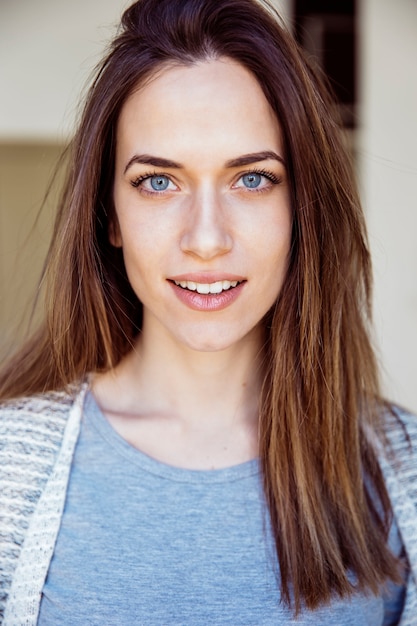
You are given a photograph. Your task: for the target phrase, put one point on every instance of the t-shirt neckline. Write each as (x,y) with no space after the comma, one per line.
(93,415)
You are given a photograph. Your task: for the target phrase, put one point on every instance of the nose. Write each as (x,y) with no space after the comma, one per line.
(207,233)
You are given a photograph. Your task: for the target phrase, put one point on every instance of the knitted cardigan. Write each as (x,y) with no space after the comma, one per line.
(37,441)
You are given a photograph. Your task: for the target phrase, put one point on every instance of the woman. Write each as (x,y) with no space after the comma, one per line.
(195,435)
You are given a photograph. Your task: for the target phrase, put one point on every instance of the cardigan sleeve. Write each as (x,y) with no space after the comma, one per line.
(31,434)
(399,466)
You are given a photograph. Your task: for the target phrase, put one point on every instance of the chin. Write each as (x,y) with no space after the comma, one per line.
(219,342)
(208,345)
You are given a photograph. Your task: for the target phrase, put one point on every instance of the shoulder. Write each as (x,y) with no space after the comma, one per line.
(398,457)
(48,402)
(31,432)
(398,421)
(400,428)
(399,464)
(35,423)
(33,427)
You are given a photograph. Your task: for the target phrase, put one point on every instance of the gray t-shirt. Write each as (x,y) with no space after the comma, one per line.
(142,542)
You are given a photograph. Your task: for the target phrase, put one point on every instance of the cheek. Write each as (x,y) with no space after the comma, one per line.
(144,251)
(274,236)
(138,259)
(276,246)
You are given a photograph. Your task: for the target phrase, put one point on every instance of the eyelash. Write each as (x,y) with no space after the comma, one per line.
(273,178)
(140,179)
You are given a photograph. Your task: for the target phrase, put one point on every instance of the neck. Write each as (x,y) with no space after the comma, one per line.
(192,385)
(186,407)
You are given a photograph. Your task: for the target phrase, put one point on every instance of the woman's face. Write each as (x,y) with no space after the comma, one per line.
(202,204)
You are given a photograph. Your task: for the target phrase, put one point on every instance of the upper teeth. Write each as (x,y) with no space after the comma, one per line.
(217,287)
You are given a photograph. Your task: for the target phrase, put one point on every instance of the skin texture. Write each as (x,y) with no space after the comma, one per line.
(220,215)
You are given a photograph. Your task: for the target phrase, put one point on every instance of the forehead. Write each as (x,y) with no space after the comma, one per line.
(216,104)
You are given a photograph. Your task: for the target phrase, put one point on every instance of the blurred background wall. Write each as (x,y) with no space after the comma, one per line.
(48,49)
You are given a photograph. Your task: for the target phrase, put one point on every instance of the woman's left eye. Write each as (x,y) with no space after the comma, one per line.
(252,181)
(256,181)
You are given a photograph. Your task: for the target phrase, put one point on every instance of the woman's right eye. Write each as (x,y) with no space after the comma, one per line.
(154,183)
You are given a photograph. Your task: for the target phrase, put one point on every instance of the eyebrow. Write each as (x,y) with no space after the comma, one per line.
(147,159)
(245,159)
(255,157)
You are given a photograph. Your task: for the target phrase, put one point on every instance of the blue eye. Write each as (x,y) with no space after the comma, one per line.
(257,180)
(252,180)
(154,184)
(159,183)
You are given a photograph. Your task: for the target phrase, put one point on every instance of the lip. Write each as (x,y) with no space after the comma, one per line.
(207,302)
(207,277)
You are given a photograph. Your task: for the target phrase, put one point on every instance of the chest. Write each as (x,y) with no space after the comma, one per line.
(143,543)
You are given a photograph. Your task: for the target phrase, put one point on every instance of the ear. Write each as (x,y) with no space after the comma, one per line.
(115,236)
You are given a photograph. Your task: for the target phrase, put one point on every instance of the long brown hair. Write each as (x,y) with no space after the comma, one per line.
(320,394)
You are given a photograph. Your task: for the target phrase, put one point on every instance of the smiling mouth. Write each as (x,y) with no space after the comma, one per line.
(207,288)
